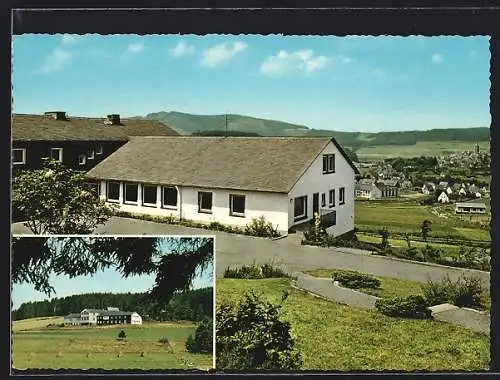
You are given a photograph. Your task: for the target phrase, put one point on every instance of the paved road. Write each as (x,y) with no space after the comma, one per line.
(287,253)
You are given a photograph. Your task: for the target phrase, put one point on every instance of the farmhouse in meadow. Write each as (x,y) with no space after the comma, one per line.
(78,142)
(109,316)
(232,180)
(470,208)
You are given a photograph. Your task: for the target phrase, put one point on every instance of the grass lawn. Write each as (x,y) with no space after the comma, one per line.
(403,217)
(97,347)
(331,336)
(389,286)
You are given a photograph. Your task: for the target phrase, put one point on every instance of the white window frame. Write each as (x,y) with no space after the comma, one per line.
(125,193)
(231,205)
(304,215)
(169,207)
(329,159)
(91,154)
(60,150)
(117,200)
(341,195)
(200,196)
(23,150)
(99,150)
(144,203)
(80,162)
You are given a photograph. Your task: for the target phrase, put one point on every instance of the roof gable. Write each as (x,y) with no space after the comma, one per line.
(270,164)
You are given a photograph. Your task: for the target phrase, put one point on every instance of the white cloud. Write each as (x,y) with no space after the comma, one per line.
(135,48)
(346,60)
(437,58)
(222,53)
(68,39)
(285,62)
(55,61)
(182,48)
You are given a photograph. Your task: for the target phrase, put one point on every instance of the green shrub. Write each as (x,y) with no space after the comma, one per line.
(122,335)
(268,271)
(202,342)
(355,280)
(438,292)
(166,344)
(465,292)
(431,254)
(260,227)
(412,306)
(254,272)
(251,335)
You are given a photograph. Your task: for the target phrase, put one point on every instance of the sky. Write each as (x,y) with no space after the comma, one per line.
(108,280)
(353,83)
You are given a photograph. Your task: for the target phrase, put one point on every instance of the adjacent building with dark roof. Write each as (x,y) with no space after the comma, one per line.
(109,316)
(232,180)
(78,142)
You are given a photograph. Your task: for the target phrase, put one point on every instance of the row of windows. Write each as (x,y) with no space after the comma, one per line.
(169,196)
(19,155)
(300,203)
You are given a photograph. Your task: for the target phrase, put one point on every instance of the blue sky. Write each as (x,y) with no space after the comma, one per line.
(108,280)
(358,83)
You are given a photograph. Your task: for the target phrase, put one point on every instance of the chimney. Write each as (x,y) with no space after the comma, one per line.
(113,119)
(57,115)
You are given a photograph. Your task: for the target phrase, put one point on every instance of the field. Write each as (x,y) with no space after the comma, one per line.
(37,346)
(421,148)
(331,336)
(407,217)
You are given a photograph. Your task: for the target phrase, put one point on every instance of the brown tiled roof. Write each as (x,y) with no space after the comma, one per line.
(271,164)
(46,128)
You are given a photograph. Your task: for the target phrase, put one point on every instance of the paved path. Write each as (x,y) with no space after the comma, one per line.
(287,253)
(461,316)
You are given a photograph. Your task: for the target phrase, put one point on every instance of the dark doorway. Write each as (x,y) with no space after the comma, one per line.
(315,203)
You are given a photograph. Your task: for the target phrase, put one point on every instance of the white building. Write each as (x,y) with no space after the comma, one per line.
(111,315)
(470,208)
(443,198)
(232,180)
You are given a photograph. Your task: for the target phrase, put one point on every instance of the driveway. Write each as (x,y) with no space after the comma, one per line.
(232,250)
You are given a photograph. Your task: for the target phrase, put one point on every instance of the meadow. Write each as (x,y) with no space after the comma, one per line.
(331,336)
(34,345)
(421,148)
(407,217)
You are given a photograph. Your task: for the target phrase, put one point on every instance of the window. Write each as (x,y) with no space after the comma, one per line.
(300,208)
(112,191)
(323,199)
(169,197)
(131,192)
(341,195)
(18,156)
(328,163)
(99,150)
(236,205)
(204,202)
(56,154)
(149,195)
(90,154)
(331,198)
(82,159)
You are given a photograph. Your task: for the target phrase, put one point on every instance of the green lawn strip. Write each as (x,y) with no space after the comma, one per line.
(93,347)
(331,336)
(389,286)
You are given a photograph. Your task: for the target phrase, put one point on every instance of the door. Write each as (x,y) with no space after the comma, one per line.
(315,203)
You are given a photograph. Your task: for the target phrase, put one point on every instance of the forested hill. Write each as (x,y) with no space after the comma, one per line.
(191,305)
(239,125)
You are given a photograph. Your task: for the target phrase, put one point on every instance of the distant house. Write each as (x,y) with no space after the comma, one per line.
(473,189)
(232,180)
(109,316)
(388,188)
(470,208)
(366,181)
(79,143)
(484,190)
(406,184)
(428,188)
(72,319)
(462,192)
(449,190)
(367,191)
(443,185)
(478,195)
(456,187)
(443,198)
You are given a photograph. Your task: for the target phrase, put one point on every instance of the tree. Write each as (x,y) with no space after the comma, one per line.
(426,228)
(55,200)
(203,341)
(34,259)
(251,335)
(384,234)
(122,335)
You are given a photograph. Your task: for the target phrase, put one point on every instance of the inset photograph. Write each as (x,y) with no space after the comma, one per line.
(111,303)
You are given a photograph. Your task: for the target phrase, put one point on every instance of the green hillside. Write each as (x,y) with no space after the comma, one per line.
(188,124)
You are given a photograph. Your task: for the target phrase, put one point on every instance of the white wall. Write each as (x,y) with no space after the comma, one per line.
(314,181)
(272,205)
(136,319)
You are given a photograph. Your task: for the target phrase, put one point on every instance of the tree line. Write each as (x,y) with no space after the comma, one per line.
(190,305)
